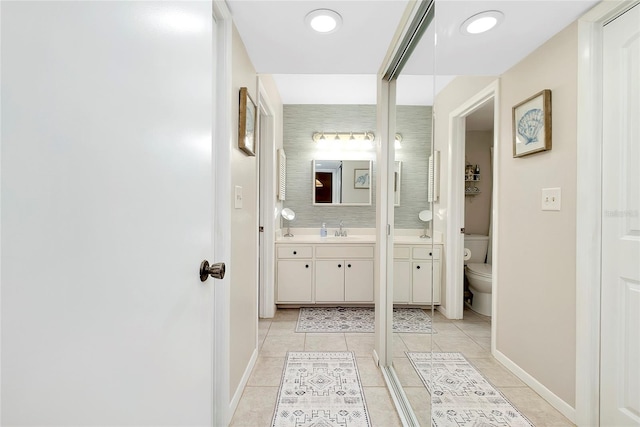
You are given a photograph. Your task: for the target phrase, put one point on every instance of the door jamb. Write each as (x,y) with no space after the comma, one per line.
(454,249)
(266,203)
(221,150)
(589,208)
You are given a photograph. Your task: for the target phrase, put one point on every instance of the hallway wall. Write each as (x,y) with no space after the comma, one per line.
(536,258)
(536,249)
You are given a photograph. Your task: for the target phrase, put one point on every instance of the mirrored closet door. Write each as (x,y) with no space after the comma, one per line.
(414,254)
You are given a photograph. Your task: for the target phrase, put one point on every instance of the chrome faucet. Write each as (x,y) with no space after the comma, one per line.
(341,232)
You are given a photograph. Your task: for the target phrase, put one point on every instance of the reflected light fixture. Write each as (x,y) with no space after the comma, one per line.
(324,21)
(481,22)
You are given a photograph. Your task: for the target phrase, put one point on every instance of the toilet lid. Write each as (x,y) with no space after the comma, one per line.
(480,269)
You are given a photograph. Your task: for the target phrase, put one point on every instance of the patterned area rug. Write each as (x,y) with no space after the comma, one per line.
(461,396)
(320,389)
(360,319)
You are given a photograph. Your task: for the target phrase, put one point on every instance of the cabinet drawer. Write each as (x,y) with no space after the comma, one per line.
(426,253)
(401,252)
(341,252)
(295,251)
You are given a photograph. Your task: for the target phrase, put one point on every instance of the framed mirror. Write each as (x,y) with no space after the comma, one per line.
(341,183)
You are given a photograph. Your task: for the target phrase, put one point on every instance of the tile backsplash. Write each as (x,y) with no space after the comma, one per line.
(300,121)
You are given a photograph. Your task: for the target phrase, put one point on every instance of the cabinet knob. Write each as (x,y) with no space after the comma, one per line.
(295,252)
(339,265)
(418,267)
(430,254)
(306,266)
(349,265)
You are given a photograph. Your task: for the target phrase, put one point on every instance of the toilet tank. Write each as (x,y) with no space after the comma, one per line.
(477,244)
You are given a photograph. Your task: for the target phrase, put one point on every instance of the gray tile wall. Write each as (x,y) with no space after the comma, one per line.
(414,123)
(300,121)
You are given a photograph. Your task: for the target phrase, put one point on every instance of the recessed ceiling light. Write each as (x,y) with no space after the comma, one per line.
(324,21)
(481,22)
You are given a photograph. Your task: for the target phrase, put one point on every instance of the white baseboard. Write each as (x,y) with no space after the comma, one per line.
(562,406)
(243,383)
(442,310)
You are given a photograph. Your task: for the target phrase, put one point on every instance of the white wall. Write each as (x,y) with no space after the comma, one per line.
(477,210)
(244,231)
(350,194)
(536,300)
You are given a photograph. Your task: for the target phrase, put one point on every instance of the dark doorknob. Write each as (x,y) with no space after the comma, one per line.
(215,270)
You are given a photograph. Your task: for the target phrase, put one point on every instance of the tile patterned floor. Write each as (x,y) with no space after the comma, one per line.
(470,336)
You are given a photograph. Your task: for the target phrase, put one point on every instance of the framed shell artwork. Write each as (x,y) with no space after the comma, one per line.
(532,125)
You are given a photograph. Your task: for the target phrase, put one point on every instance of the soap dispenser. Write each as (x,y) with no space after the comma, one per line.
(323,230)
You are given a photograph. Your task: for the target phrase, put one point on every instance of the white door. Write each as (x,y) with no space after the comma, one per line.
(620,334)
(106,213)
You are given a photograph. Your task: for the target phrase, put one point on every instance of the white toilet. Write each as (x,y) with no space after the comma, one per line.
(478,272)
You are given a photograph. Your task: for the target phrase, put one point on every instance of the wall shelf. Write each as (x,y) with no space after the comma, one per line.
(472,174)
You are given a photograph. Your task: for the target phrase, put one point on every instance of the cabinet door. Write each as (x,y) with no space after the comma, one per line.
(437,285)
(421,282)
(330,281)
(358,281)
(294,281)
(401,281)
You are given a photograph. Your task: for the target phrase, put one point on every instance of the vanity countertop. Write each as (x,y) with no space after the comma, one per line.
(309,238)
(414,240)
(356,238)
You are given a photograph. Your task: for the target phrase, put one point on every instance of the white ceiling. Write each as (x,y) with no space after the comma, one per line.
(341,67)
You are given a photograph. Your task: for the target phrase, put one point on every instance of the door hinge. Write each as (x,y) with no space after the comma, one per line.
(261,229)
(462,230)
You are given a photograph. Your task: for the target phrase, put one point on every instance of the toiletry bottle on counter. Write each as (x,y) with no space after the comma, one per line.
(323,230)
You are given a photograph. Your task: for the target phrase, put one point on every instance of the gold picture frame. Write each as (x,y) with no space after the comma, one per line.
(531,125)
(247,123)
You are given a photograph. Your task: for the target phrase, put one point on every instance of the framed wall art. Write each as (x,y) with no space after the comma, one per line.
(247,123)
(532,125)
(361,178)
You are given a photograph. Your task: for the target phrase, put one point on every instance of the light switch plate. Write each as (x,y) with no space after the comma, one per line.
(238,197)
(551,198)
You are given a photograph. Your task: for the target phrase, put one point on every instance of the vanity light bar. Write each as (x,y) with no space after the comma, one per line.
(343,136)
(347,136)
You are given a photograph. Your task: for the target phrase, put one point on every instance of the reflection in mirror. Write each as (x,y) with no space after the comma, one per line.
(397,183)
(414,123)
(342,182)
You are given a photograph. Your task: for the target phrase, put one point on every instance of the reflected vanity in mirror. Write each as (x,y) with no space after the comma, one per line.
(341,182)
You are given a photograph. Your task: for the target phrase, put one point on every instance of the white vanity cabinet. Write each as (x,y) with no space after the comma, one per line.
(344,280)
(344,273)
(324,273)
(413,280)
(294,273)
